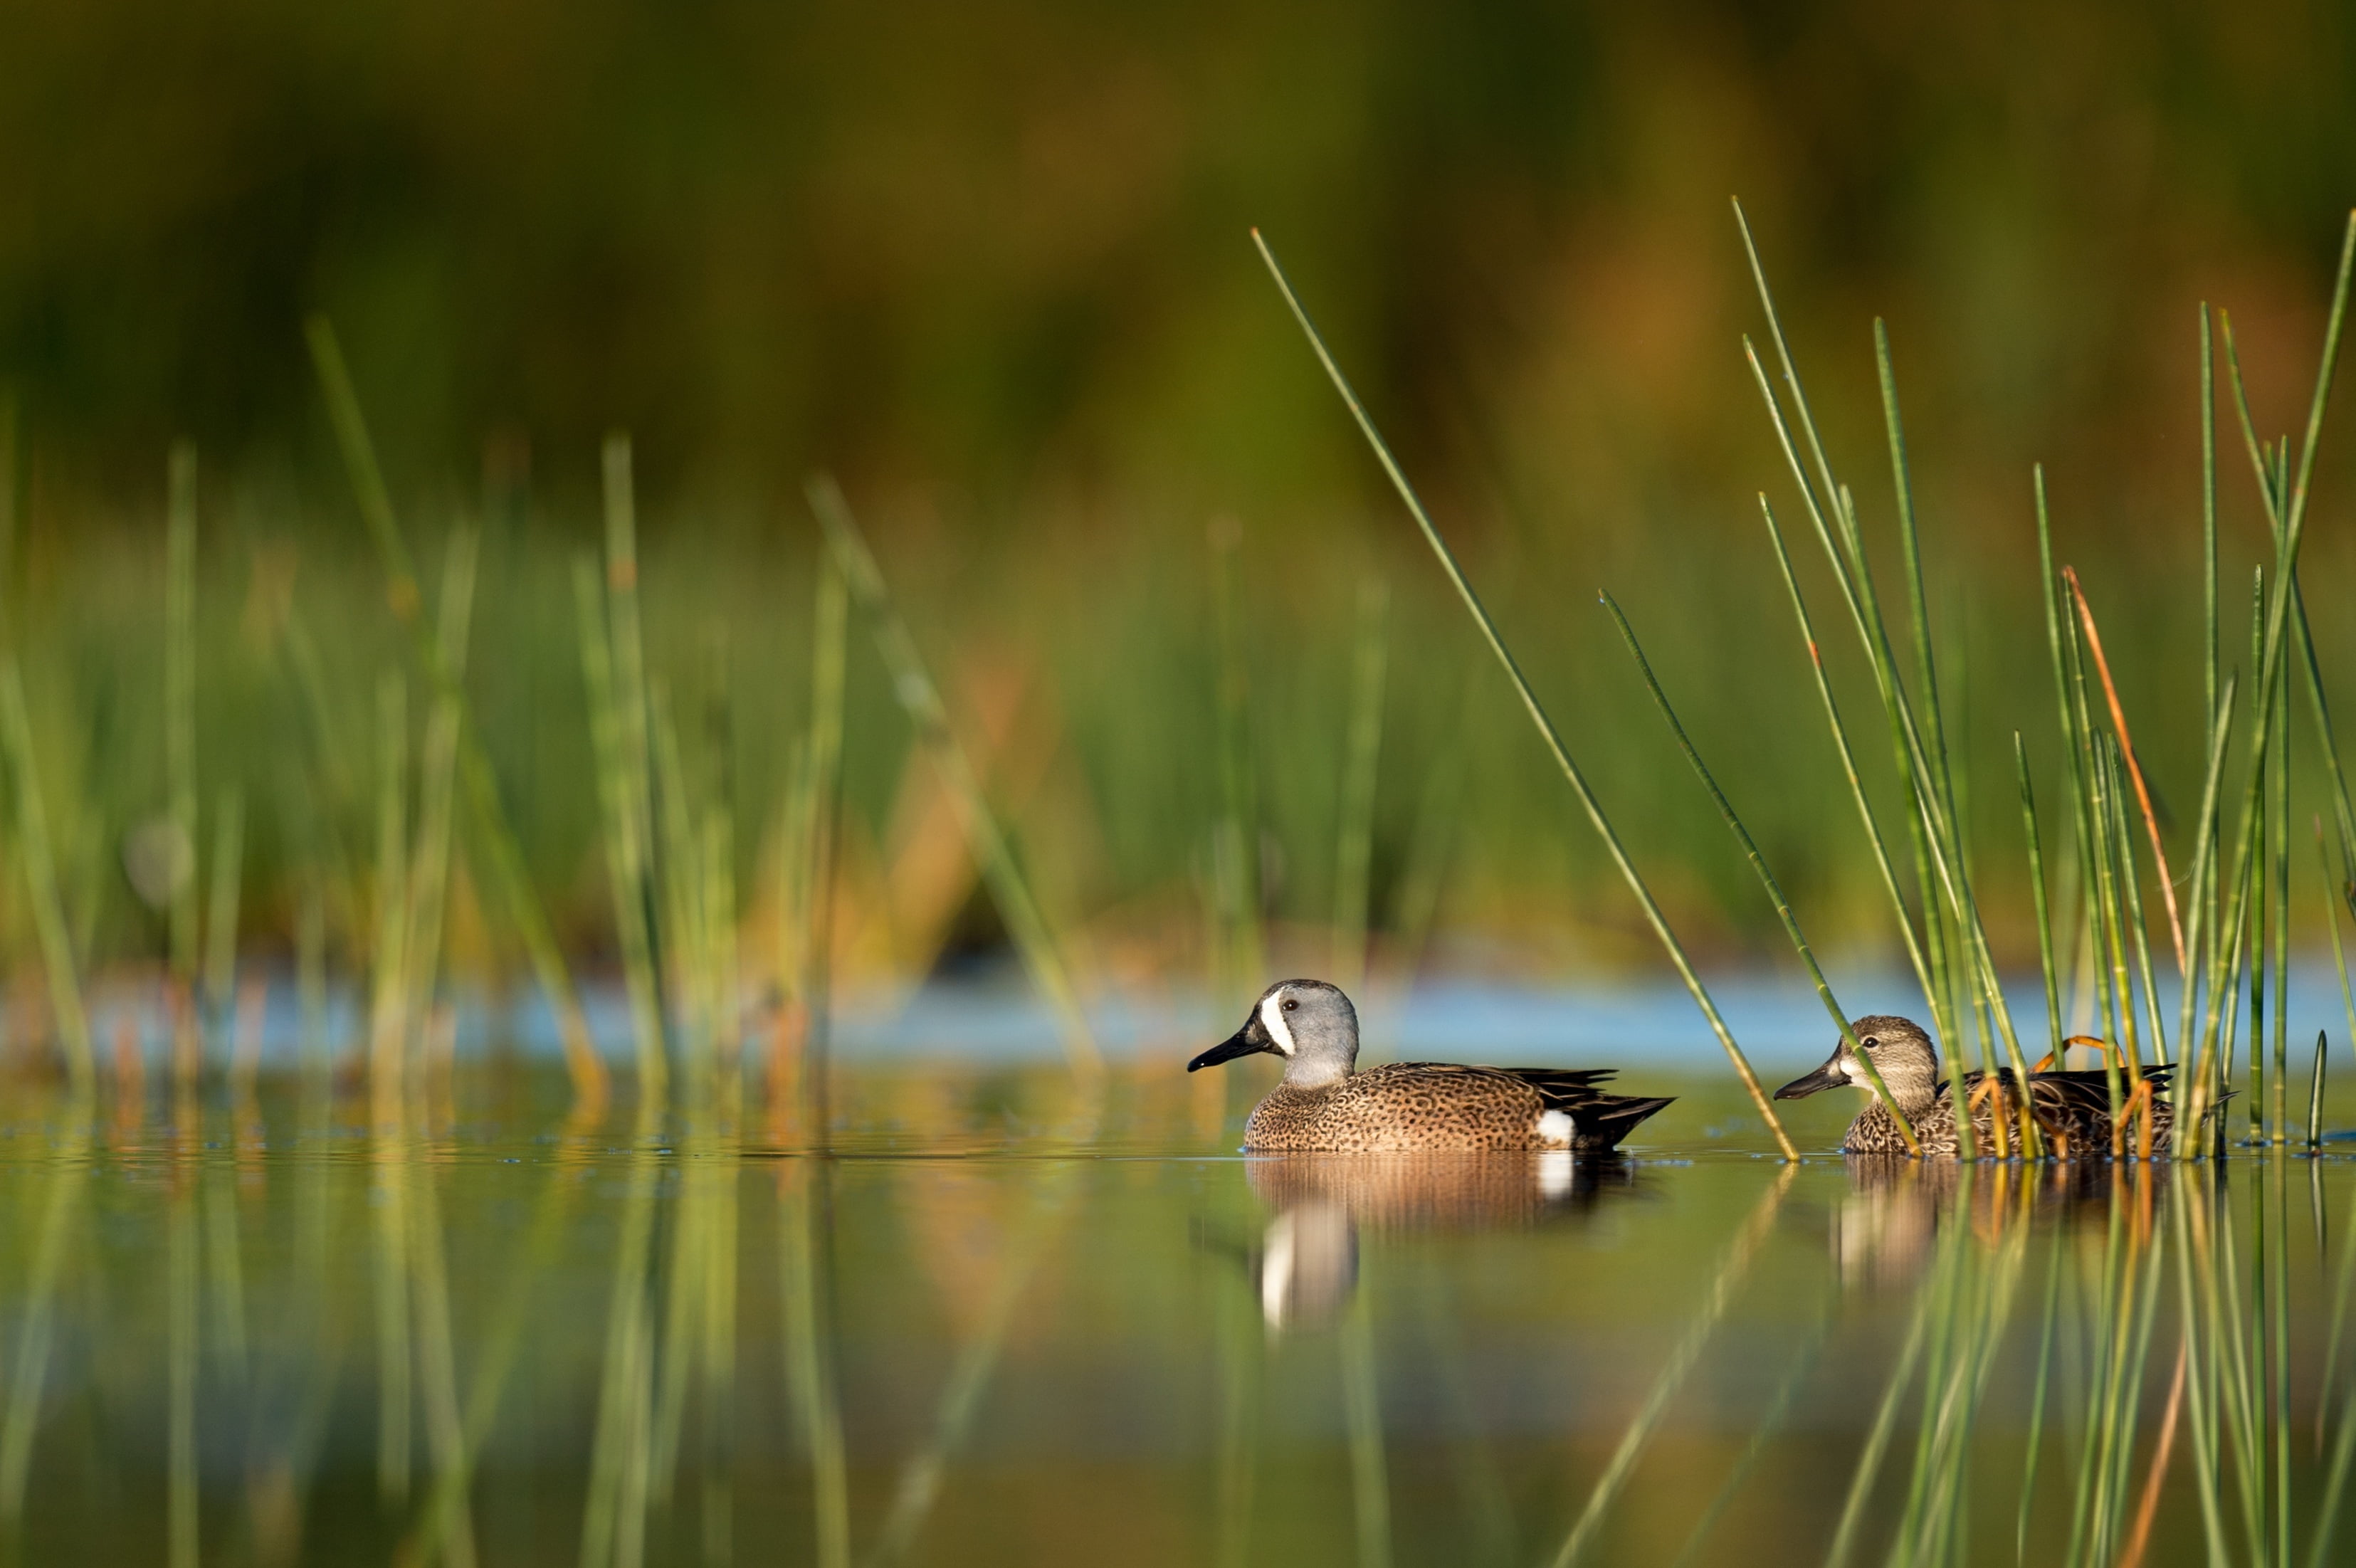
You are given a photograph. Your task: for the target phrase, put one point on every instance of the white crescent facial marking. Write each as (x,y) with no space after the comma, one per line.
(1272,1017)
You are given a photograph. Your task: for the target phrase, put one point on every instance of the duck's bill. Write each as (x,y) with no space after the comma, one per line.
(1828,1076)
(1239,1044)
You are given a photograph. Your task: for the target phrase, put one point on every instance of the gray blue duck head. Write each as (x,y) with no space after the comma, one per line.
(1901,1053)
(1307,1022)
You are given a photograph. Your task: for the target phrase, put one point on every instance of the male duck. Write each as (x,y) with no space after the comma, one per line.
(2072,1109)
(1322,1105)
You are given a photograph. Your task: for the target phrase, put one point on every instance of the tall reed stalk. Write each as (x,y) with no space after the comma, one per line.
(1537,711)
(41,883)
(498,836)
(993,854)
(1361,767)
(798,1070)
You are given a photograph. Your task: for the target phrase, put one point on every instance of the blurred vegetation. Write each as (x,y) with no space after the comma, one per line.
(990,267)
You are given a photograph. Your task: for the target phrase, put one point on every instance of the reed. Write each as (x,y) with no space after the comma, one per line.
(1240,942)
(805,1216)
(1766,879)
(506,856)
(1734,1264)
(1370,1492)
(41,880)
(1531,705)
(1362,751)
(1954,947)
(798,1066)
(627,832)
(993,854)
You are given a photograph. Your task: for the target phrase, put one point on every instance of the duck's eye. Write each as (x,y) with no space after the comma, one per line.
(1869,1042)
(1290,1005)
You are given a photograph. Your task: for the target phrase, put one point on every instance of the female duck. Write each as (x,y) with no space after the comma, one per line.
(2072,1109)
(1324,1105)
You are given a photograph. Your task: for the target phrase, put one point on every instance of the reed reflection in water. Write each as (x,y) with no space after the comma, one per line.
(1068,1329)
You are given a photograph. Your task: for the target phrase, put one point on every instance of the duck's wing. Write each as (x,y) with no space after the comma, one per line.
(1602,1119)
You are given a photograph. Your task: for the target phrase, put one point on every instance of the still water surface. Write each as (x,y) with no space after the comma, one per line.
(1007,1322)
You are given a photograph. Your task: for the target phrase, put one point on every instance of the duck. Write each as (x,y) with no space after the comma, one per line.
(1324,1105)
(2072,1109)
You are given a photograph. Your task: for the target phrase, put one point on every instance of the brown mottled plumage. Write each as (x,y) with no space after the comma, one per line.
(1323,1106)
(2072,1109)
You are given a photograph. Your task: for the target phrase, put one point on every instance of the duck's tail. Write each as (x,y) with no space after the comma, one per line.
(1605,1119)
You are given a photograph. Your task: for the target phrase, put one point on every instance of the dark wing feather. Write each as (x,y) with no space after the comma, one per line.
(1602,1120)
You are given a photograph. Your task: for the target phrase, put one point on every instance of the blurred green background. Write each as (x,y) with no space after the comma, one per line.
(990,265)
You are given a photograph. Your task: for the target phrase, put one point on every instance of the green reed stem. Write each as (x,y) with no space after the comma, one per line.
(1933,828)
(1530,704)
(494,1359)
(2279,830)
(1060,1190)
(64,1212)
(1235,844)
(679,891)
(2029,1469)
(2209,584)
(626,841)
(614,1517)
(814,810)
(498,836)
(806,1226)
(1370,1491)
(2036,892)
(41,883)
(445,1436)
(1877,1437)
(2331,904)
(181,1495)
(2276,1350)
(1733,1264)
(992,854)
(429,882)
(180,705)
(389,981)
(1765,1431)
(1910,554)
(221,911)
(1361,770)
(2123,836)
(1784,910)
(2201,934)
(1905,919)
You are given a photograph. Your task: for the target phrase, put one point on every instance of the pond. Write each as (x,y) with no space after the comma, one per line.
(1002,1320)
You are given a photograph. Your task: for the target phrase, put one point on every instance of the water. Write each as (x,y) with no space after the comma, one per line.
(1005,1322)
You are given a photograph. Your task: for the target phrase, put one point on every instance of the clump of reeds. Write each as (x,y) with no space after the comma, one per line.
(2233,923)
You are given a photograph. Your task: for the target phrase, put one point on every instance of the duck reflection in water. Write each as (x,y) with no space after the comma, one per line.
(1305,1269)
(1884,1231)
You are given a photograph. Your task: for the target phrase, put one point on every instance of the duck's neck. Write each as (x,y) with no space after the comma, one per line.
(1317,1069)
(1914,1093)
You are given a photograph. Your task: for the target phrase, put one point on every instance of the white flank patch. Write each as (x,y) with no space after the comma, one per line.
(1272,1017)
(1555,1172)
(1556,1128)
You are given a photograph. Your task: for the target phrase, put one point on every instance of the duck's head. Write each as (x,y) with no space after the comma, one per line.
(1901,1051)
(1307,1022)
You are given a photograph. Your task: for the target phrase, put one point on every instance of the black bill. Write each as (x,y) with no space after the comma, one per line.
(1828,1076)
(1249,1040)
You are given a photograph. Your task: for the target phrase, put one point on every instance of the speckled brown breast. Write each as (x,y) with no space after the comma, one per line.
(1400,1109)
